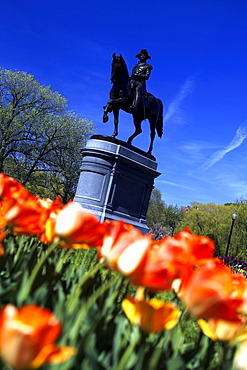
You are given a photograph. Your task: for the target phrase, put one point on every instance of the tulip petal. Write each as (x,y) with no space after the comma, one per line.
(132,256)
(52,354)
(153,316)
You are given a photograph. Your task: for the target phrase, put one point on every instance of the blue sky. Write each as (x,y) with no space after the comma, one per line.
(199,59)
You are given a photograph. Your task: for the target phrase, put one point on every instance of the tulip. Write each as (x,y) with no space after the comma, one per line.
(10,188)
(144,264)
(152,316)
(117,237)
(75,227)
(191,247)
(22,212)
(156,265)
(223,330)
(27,337)
(212,292)
(26,217)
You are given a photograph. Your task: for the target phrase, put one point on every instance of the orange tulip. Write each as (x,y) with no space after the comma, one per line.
(117,237)
(10,188)
(2,231)
(26,216)
(22,212)
(240,291)
(144,264)
(2,236)
(212,292)
(27,337)
(190,247)
(74,227)
(153,316)
(155,265)
(223,330)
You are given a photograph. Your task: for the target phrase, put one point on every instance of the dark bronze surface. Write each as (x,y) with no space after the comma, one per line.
(130,95)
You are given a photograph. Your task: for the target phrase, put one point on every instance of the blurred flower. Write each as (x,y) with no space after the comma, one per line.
(2,236)
(223,330)
(153,316)
(213,291)
(27,337)
(190,247)
(10,188)
(239,362)
(2,230)
(143,262)
(117,237)
(26,216)
(20,211)
(74,227)
(155,264)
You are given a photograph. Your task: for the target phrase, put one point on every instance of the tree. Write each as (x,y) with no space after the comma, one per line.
(215,222)
(161,218)
(40,139)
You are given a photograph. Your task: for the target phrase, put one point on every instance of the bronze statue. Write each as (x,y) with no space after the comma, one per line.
(130,95)
(140,73)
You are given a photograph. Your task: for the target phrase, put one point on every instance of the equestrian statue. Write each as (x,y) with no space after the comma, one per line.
(130,95)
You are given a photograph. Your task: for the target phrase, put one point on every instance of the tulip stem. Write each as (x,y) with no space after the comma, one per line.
(128,352)
(24,293)
(62,259)
(86,307)
(73,299)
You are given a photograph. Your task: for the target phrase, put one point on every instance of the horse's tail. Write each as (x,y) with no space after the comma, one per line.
(159,123)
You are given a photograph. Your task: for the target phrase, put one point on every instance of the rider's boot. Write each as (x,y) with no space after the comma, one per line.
(136,101)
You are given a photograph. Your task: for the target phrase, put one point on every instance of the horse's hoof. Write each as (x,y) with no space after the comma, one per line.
(105,118)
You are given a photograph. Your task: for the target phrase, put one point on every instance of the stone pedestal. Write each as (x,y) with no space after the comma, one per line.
(116,181)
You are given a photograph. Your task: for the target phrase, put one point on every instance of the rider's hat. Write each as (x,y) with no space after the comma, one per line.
(145,52)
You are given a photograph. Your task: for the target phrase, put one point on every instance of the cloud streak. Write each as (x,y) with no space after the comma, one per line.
(238,139)
(174,184)
(174,106)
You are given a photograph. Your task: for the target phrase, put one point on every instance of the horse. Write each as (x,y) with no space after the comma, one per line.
(121,97)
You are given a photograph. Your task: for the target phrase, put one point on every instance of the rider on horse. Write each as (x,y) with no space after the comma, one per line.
(140,73)
(121,97)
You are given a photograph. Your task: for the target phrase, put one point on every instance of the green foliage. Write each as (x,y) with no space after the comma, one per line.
(40,139)
(86,297)
(215,222)
(209,219)
(161,218)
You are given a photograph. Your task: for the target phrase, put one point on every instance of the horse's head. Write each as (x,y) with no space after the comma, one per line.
(119,69)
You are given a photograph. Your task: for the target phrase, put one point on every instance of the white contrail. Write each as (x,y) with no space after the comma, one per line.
(185,90)
(238,139)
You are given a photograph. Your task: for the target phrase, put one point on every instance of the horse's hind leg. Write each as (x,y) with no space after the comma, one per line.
(116,114)
(138,131)
(152,136)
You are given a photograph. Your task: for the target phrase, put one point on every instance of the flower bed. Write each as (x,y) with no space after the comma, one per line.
(80,294)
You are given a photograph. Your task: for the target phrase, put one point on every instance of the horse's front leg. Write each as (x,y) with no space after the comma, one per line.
(115,114)
(105,115)
(107,109)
